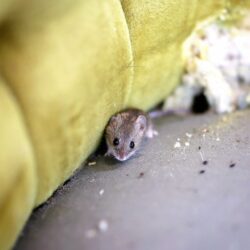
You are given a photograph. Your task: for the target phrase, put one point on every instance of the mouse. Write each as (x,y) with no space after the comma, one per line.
(125,132)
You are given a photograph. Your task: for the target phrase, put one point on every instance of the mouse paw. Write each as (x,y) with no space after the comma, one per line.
(155,133)
(107,154)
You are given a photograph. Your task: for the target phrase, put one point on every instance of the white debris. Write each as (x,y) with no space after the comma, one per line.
(217,65)
(103,225)
(171,174)
(217,139)
(90,234)
(92,163)
(205,130)
(189,135)
(219,93)
(177,145)
(101,192)
(187,144)
(201,155)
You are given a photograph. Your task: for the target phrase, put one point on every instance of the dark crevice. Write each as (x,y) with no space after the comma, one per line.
(200,103)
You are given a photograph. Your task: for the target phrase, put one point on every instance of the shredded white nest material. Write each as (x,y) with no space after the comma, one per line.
(218,64)
(103,225)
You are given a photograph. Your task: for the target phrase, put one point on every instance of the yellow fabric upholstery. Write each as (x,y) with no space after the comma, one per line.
(17,169)
(66,66)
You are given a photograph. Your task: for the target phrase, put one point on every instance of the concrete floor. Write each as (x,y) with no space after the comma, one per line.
(161,199)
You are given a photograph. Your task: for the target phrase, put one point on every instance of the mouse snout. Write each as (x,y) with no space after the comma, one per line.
(122,153)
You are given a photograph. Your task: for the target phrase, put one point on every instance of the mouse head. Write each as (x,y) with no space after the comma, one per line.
(124,136)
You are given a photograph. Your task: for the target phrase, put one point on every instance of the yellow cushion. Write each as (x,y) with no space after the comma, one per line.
(67,66)
(17,169)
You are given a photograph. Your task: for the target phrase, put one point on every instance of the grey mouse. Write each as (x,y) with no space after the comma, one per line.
(125,132)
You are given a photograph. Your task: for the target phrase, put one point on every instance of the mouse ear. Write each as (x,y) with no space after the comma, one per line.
(141,122)
(116,120)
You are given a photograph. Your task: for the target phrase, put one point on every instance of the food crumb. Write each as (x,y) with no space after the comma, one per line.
(101,192)
(141,175)
(90,234)
(205,162)
(217,139)
(187,144)
(92,163)
(232,165)
(177,145)
(189,135)
(103,225)
(202,171)
(92,180)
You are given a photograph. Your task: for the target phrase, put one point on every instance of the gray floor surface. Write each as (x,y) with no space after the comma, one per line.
(164,198)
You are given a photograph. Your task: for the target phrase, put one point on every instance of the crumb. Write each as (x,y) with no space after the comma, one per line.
(217,139)
(189,135)
(202,172)
(205,162)
(187,144)
(177,145)
(103,225)
(90,234)
(92,163)
(199,147)
(178,139)
(101,192)
(141,175)
(205,130)
(232,165)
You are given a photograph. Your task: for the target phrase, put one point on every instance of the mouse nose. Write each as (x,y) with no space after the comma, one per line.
(122,153)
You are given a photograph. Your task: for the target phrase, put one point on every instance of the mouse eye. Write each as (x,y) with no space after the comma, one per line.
(116,142)
(132,145)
